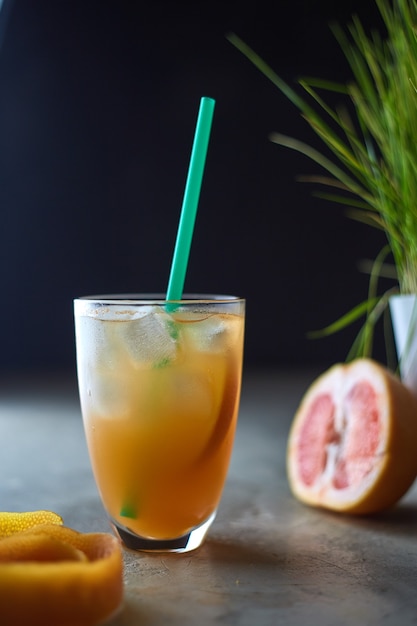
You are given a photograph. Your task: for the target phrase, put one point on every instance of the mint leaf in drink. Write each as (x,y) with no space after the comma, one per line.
(129,509)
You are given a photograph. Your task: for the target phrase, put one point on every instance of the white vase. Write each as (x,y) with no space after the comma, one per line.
(403,310)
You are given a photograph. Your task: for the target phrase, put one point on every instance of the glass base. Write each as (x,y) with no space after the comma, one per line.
(185,543)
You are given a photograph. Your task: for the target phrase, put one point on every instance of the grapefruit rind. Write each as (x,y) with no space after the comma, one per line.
(67,578)
(382,477)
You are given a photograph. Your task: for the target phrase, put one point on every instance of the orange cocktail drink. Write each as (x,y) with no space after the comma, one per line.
(159,386)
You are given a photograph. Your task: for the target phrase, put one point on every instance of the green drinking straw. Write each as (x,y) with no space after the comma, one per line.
(190,201)
(186,225)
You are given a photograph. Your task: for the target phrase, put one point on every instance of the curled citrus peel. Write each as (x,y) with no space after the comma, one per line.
(51,574)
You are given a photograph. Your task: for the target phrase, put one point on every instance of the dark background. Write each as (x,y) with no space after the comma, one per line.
(98,104)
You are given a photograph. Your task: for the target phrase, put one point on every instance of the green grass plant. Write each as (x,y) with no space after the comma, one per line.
(370,141)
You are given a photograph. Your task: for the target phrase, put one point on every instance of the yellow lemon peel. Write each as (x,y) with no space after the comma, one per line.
(11,523)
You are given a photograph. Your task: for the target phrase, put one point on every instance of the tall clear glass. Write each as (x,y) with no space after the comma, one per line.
(159,386)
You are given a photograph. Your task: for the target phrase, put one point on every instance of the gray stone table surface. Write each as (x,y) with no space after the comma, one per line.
(267,560)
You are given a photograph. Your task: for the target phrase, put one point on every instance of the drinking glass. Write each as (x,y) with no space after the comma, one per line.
(159,385)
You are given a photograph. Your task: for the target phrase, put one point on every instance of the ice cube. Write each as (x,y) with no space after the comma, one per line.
(110,396)
(128,341)
(153,338)
(100,344)
(208,334)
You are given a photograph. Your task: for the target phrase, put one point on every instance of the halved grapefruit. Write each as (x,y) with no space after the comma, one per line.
(352,446)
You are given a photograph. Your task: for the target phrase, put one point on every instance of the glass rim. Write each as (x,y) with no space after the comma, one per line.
(158,298)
